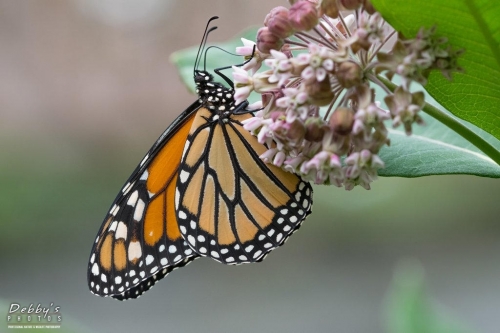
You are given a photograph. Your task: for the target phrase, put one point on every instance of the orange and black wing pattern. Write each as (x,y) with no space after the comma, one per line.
(231,206)
(139,241)
(201,190)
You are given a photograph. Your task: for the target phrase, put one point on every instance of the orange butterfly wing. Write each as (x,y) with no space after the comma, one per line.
(139,242)
(232,206)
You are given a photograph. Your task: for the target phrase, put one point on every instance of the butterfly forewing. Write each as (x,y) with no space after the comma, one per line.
(140,242)
(231,206)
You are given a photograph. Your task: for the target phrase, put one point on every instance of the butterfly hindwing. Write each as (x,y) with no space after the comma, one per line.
(231,206)
(139,242)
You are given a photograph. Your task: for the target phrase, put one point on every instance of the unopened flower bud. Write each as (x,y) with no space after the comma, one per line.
(329,8)
(296,131)
(303,15)
(278,23)
(351,4)
(349,74)
(320,92)
(267,41)
(315,129)
(368,7)
(342,120)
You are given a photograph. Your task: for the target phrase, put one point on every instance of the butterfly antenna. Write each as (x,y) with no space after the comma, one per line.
(203,41)
(218,70)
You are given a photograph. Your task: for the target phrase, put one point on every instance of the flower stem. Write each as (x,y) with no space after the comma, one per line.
(455,125)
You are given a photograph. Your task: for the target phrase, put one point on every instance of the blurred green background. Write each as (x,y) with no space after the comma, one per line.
(85,89)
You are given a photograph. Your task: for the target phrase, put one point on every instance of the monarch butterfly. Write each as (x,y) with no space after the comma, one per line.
(201,190)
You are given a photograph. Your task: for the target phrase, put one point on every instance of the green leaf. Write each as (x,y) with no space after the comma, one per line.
(410,310)
(434,149)
(469,24)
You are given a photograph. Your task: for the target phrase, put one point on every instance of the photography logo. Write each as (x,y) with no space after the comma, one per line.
(34,316)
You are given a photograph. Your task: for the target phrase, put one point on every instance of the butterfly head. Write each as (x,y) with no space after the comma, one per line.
(213,95)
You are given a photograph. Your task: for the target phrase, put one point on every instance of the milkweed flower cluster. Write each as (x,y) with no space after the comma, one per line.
(327,54)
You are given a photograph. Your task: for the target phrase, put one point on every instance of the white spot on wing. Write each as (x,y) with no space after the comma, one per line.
(184,176)
(113,226)
(133,198)
(121,231)
(114,210)
(144,175)
(172,249)
(177,196)
(149,259)
(126,188)
(161,248)
(134,250)
(118,279)
(139,209)
(144,159)
(95,269)
(164,261)
(186,147)
(182,215)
